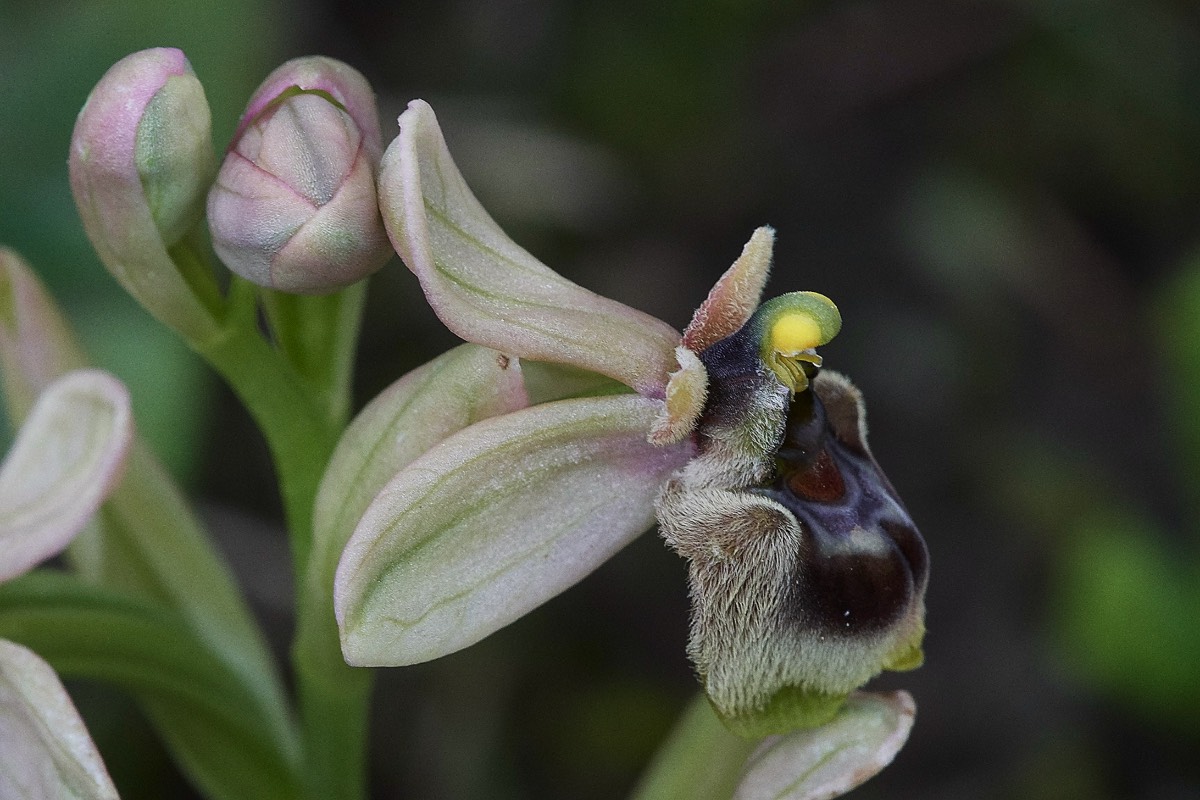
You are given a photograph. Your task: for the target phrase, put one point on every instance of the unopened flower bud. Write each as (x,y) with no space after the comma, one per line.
(294,206)
(141,160)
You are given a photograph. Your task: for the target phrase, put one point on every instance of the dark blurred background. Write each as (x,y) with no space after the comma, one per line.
(1003,199)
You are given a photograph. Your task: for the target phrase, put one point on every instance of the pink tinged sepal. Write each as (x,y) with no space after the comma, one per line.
(489,290)
(68,455)
(494,521)
(294,207)
(339,80)
(45,750)
(141,160)
(36,344)
(826,762)
(440,398)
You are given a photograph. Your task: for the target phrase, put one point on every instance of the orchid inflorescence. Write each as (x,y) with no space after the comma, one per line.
(472,489)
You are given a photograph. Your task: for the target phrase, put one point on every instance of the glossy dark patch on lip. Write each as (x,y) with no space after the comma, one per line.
(851,593)
(862,560)
(820,483)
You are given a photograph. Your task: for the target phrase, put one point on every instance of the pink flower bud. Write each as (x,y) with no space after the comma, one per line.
(141,160)
(294,206)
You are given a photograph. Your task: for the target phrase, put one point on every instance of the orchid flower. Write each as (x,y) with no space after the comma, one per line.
(69,454)
(807,574)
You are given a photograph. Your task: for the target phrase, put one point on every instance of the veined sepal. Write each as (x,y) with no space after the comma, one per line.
(495,520)
(488,289)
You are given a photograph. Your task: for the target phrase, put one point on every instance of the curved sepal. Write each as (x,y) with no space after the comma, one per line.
(69,454)
(493,522)
(826,762)
(489,290)
(45,750)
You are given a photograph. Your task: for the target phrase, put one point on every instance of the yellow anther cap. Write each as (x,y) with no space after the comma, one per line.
(791,326)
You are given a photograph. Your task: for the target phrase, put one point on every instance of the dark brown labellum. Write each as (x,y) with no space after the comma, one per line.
(861,560)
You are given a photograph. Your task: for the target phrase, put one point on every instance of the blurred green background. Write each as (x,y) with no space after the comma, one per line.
(1002,197)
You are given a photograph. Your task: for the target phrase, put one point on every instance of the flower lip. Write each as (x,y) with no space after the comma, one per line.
(862,562)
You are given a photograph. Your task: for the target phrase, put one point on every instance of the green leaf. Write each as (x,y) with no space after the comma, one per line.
(493,522)
(220,729)
(145,539)
(700,760)
(47,753)
(489,290)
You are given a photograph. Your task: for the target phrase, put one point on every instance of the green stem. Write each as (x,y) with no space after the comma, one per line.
(318,334)
(334,708)
(700,760)
(299,433)
(299,396)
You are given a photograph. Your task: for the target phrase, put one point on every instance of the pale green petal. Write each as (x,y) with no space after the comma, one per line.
(493,522)
(489,290)
(68,455)
(826,762)
(45,750)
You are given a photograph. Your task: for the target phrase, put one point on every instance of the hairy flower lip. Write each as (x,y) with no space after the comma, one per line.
(807,574)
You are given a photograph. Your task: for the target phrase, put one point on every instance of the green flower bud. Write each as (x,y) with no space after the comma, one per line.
(294,206)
